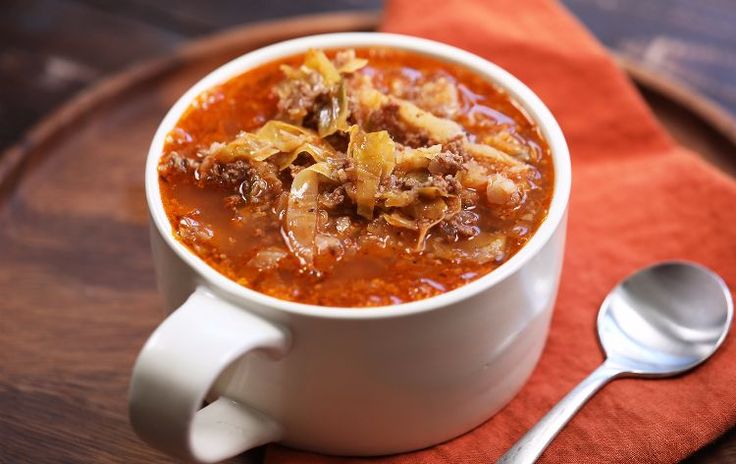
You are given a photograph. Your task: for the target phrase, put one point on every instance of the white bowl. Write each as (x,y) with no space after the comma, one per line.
(343,381)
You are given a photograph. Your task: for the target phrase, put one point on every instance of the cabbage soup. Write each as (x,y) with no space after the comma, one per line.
(355,178)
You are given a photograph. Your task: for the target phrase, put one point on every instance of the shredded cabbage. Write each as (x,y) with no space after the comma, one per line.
(416,198)
(317,60)
(302,210)
(350,62)
(284,136)
(334,117)
(394,199)
(371,153)
(409,159)
(487,152)
(397,219)
(440,130)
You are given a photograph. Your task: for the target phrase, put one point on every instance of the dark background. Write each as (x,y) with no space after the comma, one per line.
(50,49)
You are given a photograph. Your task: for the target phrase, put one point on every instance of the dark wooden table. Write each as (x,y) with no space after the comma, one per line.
(51,49)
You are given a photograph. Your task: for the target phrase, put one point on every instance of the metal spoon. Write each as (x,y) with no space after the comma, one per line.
(658,322)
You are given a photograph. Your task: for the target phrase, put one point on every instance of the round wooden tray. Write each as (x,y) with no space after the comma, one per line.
(77,281)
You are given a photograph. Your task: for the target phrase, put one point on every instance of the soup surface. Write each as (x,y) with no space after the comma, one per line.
(355,177)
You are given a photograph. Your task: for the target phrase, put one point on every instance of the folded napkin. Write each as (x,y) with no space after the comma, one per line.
(636,198)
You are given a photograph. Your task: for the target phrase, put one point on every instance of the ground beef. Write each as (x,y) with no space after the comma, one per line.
(264,183)
(462,225)
(333,199)
(469,197)
(255,182)
(297,97)
(343,168)
(457,147)
(387,118)
(448,184)
(229,175)
(446,163)
(174,163)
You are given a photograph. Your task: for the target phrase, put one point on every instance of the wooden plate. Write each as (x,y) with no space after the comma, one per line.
(76,278)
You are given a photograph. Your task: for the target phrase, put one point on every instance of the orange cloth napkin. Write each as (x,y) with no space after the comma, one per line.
(637,198)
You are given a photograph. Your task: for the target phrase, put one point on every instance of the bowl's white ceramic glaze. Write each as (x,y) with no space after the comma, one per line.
(339,380)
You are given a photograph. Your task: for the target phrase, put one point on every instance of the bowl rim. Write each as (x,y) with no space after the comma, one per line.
(519,92)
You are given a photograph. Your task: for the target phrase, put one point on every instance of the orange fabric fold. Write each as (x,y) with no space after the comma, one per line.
(637,198)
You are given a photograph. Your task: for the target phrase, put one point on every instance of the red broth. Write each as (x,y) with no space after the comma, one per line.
(233,211)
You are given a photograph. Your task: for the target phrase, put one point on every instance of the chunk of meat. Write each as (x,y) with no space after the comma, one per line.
(255,181)
(445,185)
(462,225)
(229,175)
(458,146)
(445,163)
(387,118)
(174,163)
(298,93)
(265,183)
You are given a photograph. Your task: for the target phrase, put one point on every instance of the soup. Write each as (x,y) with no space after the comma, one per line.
(355,178)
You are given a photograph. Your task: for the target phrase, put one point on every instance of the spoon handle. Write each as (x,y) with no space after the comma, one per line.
(536,440)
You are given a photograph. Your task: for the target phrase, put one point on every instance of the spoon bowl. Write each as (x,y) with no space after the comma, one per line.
(661,321)
(665,319)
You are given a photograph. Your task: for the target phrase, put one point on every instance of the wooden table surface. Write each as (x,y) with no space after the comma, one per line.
(51,49)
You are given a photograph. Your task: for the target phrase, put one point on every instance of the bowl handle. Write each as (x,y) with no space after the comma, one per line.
(178,366)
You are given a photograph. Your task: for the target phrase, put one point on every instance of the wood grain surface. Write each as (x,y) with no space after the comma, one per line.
(53,49)
(76,275)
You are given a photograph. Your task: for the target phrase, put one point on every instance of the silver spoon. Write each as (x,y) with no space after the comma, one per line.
(658,322)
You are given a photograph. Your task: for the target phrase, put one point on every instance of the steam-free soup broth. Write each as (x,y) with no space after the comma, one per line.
(355,177)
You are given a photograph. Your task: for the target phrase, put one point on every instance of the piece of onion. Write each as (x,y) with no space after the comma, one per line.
(324,169)
(268,258)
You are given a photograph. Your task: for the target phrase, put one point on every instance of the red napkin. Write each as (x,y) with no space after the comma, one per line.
(637,198)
